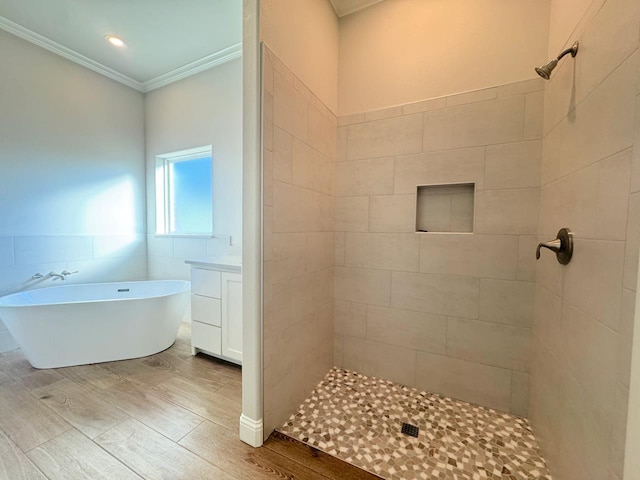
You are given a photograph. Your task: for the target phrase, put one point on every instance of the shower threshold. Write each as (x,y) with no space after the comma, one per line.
(359,420)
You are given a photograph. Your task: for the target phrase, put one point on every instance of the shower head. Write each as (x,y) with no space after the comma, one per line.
(545,70)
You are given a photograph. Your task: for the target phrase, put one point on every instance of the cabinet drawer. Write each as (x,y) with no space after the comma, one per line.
(206,337)
(206,310)
(205,282)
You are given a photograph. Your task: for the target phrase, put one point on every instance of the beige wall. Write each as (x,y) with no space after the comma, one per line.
(448,313)
(584,311)
(305,35)
(72,183)
(299,141)
(565,18)
(401,51)
(205,109)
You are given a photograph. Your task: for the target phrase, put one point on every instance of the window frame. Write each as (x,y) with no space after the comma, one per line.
(162,187)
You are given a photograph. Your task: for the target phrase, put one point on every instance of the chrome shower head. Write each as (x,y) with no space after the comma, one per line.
(545,70)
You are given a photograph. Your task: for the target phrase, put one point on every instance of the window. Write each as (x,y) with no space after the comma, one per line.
(184,192)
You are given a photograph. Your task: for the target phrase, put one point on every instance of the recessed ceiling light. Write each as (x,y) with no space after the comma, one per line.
(116,41)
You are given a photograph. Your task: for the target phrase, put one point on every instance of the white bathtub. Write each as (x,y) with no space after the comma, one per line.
(92,323)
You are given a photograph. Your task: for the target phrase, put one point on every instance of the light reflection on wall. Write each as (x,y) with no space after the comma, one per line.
(110,206)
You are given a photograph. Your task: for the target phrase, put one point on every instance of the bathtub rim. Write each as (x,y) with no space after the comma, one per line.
(186,288)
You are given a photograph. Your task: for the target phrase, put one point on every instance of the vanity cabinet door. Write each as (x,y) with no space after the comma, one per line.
(232,316)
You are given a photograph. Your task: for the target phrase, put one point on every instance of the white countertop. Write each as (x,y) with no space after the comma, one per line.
(227,263)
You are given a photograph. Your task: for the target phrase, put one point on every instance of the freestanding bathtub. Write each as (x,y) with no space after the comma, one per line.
(91,323)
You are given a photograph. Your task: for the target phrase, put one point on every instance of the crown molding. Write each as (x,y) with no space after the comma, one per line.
(210,61)
(205,63)
(48,44)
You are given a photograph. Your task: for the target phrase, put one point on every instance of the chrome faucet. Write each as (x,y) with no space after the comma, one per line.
(62,275)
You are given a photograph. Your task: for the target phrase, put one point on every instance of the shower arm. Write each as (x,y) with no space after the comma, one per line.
(573,50)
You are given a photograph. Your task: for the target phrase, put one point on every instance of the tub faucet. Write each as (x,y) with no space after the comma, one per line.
(66,273)
(61,276)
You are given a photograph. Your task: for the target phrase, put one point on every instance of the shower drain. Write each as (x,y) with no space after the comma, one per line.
(410,430)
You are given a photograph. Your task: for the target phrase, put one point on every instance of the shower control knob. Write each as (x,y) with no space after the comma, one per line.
(562,246)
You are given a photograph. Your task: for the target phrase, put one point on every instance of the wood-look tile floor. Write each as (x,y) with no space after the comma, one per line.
(170,416)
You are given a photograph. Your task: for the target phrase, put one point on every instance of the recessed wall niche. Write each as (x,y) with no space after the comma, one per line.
(445,208)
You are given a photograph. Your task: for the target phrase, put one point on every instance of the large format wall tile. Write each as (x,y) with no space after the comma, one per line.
(352,214)
(483,123)
(380,360)
(593,279)
(590,351)
(482,384)
(584,311)
(503,346)
(296,209)
(350,318)
(365,177)
(593,201)
(548,320)
(510,212)
(600,126)
(392,213)
(488,138)
(586,431)
(635,170)
(282,155)
(437,294)
(415,330)
(612,37)
(533,115)
(310,169)
(454,166)
(290,108)
(625,337)
(520,393)
(513,165)
(299,240)
(490,256)
(381,138)
(363,285)
(386,251)
(632,247)
(507,302)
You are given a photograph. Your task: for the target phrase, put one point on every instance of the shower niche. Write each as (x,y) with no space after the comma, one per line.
(445,208)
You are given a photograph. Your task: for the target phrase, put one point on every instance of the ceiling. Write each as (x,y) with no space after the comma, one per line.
(165,38)
(345,7)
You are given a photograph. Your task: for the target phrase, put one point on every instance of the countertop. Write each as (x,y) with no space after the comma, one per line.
(227,263)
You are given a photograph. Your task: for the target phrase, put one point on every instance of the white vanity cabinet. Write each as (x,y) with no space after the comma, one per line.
(216,307)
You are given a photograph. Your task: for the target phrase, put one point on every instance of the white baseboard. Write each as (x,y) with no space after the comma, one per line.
(251,431)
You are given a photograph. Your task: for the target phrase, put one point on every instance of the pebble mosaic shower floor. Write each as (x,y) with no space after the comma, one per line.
(359,420)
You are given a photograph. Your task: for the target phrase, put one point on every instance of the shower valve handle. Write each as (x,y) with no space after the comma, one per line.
(562,246)
(554,245)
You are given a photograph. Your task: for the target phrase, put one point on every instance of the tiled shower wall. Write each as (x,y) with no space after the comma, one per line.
(449,313)
(584,312)
(299,140)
